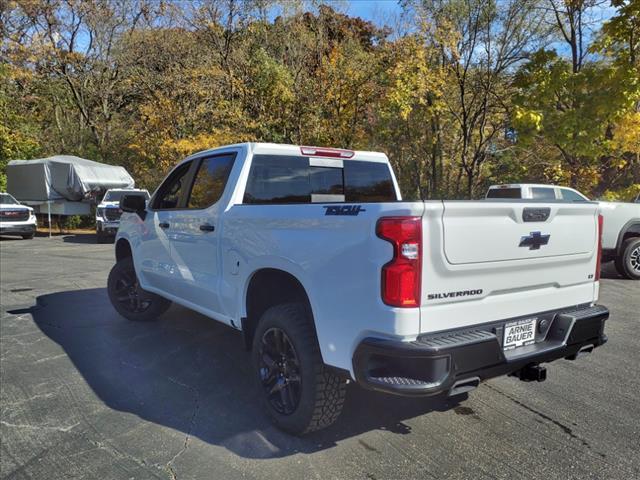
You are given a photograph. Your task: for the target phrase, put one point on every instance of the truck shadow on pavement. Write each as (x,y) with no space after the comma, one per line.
(189,373)
(609,272)
(83,238)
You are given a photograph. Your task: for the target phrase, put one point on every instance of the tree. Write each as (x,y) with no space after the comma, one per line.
(582,108)
(479,43)
(76,44)
(471,92)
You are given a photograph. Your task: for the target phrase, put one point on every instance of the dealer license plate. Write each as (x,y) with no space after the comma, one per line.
(519,333)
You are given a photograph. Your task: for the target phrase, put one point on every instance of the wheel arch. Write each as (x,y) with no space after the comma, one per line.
(267,287)
(629,230)
(123,249)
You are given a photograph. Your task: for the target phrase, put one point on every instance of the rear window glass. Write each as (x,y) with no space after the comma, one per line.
(571,196)
(274,179)
(543,193)
(326,181)
(287,179)
(368,182)
(504,193)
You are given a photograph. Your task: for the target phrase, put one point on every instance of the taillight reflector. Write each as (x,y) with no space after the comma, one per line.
(401,277)
(599,260)
(327,152)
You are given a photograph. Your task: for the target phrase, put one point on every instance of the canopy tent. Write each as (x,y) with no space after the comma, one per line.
(63,177)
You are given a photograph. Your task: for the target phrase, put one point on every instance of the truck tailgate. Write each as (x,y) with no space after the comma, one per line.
(490,260)
(493,232)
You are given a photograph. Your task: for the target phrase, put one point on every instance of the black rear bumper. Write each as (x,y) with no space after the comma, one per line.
(454,361)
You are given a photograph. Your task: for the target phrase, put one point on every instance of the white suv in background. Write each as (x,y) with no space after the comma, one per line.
(15,218)
(621,221)
(108,212)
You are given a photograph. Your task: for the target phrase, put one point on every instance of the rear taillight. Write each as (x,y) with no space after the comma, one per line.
(599,260)
(401,276)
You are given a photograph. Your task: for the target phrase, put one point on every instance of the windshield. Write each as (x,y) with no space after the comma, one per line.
(8,199)
(116,195)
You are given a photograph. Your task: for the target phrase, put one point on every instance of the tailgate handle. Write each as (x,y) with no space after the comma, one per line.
(536,214)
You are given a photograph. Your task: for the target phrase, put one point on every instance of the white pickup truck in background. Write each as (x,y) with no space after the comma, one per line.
(332,277)
(621,221)
(15,218)
(108,212)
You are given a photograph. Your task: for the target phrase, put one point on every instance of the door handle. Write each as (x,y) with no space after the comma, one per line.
(205,227)
(163,225)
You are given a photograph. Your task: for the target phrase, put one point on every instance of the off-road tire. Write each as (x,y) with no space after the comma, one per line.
(322,391)
(156,304)
(628,258)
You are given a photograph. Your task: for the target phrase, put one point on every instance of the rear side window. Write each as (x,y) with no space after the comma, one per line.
(504,193)
(287,179)
(210,181)
(538,193)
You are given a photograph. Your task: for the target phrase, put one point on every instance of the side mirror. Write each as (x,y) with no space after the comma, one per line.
(134,203)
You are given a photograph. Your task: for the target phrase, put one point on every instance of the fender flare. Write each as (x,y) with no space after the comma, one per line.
(632,226)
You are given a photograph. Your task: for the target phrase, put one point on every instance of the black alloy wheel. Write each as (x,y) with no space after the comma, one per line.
(280,371)
(128,293)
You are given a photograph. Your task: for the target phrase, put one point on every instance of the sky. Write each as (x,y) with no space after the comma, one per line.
(375,10)
(385,12)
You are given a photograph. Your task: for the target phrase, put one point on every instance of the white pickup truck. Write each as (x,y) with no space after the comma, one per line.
(15,218)
(108,212)
(312,254)
(621,221)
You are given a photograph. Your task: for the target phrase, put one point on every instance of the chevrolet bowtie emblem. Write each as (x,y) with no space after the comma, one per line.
(534,241)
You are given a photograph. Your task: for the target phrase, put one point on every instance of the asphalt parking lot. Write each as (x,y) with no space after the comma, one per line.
(87,394)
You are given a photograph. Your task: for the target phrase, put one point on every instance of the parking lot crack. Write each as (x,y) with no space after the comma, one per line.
(32,398)
(59,428)
(192,425)
(113,451)
(52,357)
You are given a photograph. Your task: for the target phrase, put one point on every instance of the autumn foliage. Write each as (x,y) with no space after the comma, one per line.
(462,94)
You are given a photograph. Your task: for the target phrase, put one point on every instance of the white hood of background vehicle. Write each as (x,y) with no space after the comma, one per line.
(13,206)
